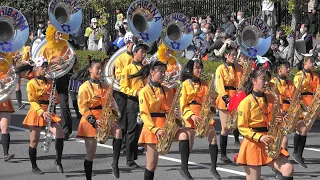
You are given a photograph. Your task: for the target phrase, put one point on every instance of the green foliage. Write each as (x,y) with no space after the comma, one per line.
(287,29)
(82,57)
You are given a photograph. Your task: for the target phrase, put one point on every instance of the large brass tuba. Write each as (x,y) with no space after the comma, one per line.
(253,37)
(145,22)
(66,17)
(206,112)
(14,32)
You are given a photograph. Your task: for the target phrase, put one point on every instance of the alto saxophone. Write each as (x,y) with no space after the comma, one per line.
(311,113)
(206,111)
(275,130)
(232,119)
(293,114)
(172,125)
(47,136)
(108,117)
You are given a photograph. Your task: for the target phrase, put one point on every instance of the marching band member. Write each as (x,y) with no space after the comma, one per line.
(226,83)
(131,87)
(38,90)
(6,108)
(193,94)
(91,99)
(120,98)
(310,83)
(285,89)
(155,101)
(55,51)
(254,113)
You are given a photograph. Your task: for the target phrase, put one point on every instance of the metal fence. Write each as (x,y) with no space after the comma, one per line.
(194,8)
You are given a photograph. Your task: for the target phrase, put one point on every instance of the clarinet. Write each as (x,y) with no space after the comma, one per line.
(47,136)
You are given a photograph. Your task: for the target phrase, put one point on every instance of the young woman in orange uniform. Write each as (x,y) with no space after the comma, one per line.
(226,85)
(6,108)
(155,101)
(285,89)
(193,94)
(254,114)
(91,101)
(38,90)
(310,83)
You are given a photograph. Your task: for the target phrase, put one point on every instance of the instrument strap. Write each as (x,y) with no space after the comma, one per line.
(234,70)
(200,86)
(100,86)
(266,101)
(155,96)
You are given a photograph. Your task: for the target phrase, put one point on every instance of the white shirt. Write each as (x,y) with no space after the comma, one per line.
(267,5)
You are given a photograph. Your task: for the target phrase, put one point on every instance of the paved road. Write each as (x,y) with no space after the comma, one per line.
(74,153)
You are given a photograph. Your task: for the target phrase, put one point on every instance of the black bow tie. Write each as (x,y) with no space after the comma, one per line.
(137,63)
(282,77)
(154,84)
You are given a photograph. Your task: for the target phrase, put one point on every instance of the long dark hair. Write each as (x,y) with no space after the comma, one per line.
(248,86)
(279,64)
(187,70)
(145,70)
(84,74)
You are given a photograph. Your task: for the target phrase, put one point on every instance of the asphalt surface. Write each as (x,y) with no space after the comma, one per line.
(168,167)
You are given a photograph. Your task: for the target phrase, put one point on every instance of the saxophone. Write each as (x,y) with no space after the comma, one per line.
(206,111)
(293,114)
(108,117)
(47,136)
(312,112)
(232,119)
(275,130)
(172,125)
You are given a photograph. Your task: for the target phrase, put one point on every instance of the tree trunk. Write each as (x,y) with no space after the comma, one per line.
(292,40)
(105,39)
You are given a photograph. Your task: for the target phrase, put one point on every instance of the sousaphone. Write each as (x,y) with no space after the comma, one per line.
(14,32)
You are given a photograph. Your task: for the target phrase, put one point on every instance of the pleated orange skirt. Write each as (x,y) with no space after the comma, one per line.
(146,136)
(252,153)
(196,110)
(220,102)
(85,129)
(33,119)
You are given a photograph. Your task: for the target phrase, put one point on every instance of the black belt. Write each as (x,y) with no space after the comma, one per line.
(230,88)
(194,102)
(285,102)
(307,93)
(95,108)
(260,129)
(43,102)
(158,114)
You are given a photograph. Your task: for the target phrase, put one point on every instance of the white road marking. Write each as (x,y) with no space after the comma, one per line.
(161,157)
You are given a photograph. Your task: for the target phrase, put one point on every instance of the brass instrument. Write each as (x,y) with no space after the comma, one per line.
(293,114)
(311,113)
(14,32)
(275,129)
(171,126)
(109,115)
(206,111)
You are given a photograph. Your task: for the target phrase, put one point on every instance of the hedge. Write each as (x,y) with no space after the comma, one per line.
(209,66)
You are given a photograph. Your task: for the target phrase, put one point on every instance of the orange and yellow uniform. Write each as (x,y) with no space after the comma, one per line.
(38,91)
(285,90)
(91,99)
(193,94)
(54,50)
(309,85)
(7,105)
(131,86)
(122,61)
(254,113)
(154,103)
(227,80)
